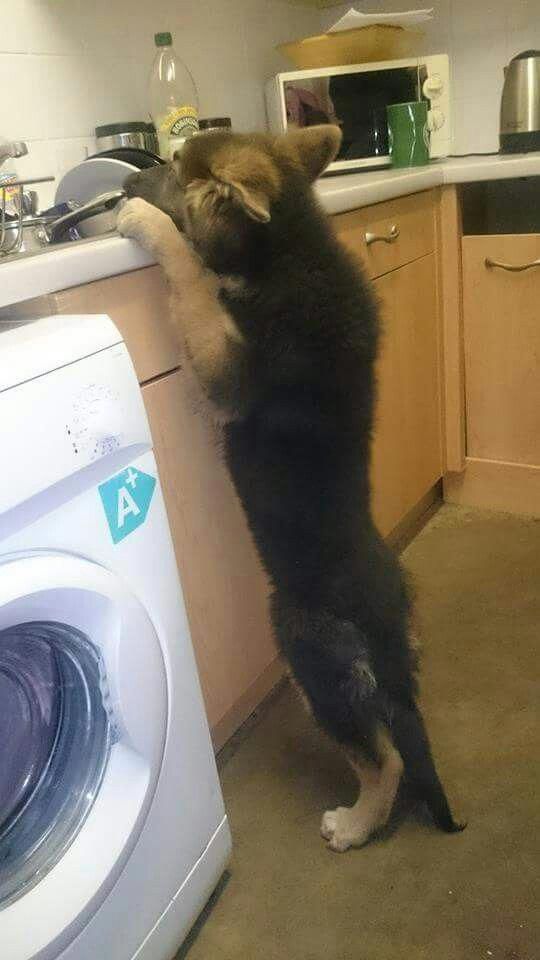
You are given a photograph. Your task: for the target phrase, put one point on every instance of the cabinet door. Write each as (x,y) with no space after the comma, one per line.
(406,459)
(224,586)
(138,303)
(501,318)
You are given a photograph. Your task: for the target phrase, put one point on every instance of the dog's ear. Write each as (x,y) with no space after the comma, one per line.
(312,148)
(236,175)
(253,200)
(212,197)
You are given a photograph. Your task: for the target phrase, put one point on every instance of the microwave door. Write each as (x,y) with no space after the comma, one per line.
(359,102)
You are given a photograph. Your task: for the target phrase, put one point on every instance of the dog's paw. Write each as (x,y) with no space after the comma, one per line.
(145,223)
(342,828)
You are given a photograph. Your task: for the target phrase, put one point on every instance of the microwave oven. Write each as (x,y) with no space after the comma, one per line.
(355,97)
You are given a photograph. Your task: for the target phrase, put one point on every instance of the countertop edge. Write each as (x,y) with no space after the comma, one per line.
(342,197)
(54,270)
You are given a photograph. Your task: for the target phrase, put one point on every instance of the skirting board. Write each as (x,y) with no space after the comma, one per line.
(496,485)
(408,528)
(247,703)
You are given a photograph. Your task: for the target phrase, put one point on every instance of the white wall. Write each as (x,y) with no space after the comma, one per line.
(69,65)
(480,36)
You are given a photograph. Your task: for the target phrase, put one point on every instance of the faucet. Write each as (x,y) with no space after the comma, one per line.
(12,149)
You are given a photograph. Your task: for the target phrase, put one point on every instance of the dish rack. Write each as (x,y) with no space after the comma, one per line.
(10,246)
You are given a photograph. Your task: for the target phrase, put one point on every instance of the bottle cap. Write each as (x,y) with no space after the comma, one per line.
(163,39)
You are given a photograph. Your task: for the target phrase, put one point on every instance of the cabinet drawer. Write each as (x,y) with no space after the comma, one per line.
(411,218)
(501,323)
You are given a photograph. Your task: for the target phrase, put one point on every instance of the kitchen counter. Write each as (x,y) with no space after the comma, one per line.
(78,263)
(350,191)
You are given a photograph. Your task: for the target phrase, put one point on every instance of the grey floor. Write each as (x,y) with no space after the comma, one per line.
(417,894)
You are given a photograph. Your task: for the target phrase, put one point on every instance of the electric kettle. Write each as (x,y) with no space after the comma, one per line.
(520,104)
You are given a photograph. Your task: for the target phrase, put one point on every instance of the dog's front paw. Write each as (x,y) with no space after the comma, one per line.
(145,223)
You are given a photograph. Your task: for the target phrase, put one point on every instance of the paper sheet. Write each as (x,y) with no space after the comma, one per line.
(354,19)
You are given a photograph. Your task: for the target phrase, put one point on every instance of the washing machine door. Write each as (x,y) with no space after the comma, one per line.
(83,712)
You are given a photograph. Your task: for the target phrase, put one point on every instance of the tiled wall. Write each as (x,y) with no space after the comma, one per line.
(480,36)
(68,65)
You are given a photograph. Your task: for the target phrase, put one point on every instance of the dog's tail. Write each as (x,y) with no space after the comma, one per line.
(411,739)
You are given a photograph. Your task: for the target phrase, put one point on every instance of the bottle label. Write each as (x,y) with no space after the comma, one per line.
(11,194)
(180,122)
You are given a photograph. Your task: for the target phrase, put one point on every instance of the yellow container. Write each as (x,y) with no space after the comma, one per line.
(361,45)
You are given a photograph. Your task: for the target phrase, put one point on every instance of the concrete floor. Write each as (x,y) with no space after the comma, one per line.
(417,894)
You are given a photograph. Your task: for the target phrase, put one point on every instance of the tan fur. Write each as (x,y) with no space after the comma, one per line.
(249,174)
(210,335)
(312,148)
(352,826)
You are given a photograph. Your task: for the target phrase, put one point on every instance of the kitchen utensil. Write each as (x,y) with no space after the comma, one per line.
(91,178)
(91,219)
(60,224)
(520,104)
(112,135)
(142,159)
(86,182)
(408,133)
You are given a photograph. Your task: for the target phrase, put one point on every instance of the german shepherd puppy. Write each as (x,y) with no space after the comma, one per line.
(281,331)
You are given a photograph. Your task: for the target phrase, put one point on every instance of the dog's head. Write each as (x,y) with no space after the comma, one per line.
(223,189)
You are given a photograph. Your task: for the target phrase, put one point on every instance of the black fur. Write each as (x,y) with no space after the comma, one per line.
(299,457)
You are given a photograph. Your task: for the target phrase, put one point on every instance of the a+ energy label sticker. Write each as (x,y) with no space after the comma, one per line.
(126,498)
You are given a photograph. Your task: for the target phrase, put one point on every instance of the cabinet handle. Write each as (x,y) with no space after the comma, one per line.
(376,237)
(513,267)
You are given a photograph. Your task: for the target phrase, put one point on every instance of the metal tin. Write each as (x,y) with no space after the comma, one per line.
(112,135)
(520,104)
(210,124)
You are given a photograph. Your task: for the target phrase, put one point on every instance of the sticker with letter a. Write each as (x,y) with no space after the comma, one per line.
(126,499)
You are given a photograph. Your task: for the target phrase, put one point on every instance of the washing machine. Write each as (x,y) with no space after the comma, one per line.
(113,831)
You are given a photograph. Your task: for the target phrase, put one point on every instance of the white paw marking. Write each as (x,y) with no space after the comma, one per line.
(343,828)
(328,824)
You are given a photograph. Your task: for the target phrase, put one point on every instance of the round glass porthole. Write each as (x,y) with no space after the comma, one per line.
(55,739)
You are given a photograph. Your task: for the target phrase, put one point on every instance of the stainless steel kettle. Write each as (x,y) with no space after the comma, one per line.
(520,104)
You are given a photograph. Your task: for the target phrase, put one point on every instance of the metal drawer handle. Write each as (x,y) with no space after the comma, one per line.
(376,237)
(513,267)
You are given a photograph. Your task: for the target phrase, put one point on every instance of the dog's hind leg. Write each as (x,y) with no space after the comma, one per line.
(410,734)
(352,826)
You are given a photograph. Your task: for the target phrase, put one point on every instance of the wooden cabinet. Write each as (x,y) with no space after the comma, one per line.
(501,316)
(501,351)
(407,438)
(408,224)
(407,449)
(138,303)
(224,586)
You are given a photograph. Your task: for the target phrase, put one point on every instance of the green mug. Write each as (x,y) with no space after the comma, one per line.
(408,133)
